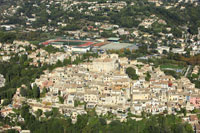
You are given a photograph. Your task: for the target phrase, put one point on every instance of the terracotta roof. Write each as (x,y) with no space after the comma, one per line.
(193,118)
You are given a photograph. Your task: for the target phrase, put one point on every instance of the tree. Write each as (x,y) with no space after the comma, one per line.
(82,121)
(193,30)
(153,46)
(38,113)
(51,49)
(7,37)
(107,34)
(59,63)
(36,91)
(184,111)
(11,131)
(148,76)
(48,114)
(195,76)
(61,99)
(115,126)
(6,102)
(176,32)
(131,73)
(23,92)
(164,52)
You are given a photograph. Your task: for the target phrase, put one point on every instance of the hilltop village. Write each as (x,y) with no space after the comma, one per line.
(88,66)
(106,83)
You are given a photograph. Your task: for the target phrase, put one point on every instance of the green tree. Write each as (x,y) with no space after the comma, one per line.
(36,91)
(38,113)
(131,73)
(148,76)
(61,99)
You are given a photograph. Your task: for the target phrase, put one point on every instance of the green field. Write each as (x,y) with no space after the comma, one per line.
(73,43)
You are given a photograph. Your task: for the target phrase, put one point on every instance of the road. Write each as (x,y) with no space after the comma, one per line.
(188,69)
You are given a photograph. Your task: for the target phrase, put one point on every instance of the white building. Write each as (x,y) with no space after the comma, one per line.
(162,48)
(2,81)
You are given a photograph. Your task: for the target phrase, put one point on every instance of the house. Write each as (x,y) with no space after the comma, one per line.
(195,100)
(193,119)
(6,111)
(91,105)
(8,27)
(197,128)
(113,39)
(80,49)
(140,96)
(25,131)
(104,64)
(178,50)
(160,49)
(69,100)
(91,97)
(2,81)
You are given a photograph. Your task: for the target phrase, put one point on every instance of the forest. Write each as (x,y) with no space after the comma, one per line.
(91,123)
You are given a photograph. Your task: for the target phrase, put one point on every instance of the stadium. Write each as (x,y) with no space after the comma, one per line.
(84,45)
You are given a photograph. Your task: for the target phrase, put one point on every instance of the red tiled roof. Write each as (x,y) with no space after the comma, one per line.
(86,44)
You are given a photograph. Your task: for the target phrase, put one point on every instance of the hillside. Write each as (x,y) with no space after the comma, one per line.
(53,16)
